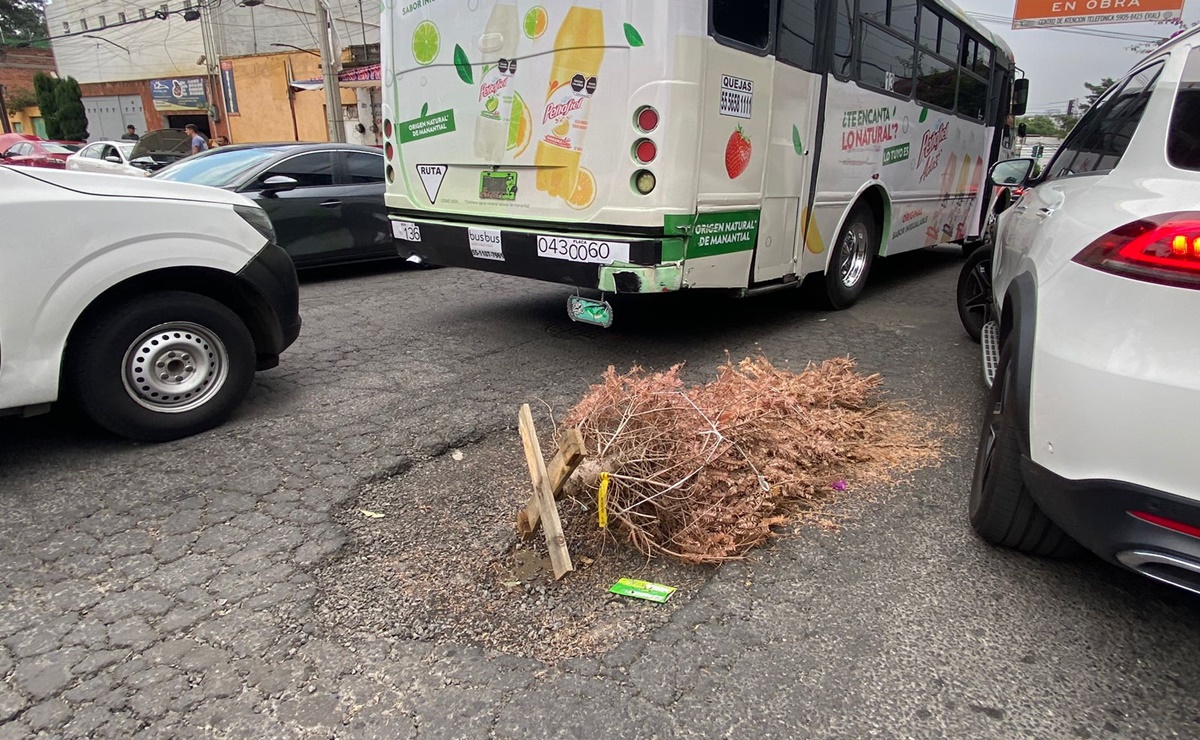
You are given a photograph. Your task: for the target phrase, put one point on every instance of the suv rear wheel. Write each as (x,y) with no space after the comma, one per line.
(1002,510)
(161,366)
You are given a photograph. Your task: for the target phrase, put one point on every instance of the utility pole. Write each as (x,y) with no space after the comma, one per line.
(333,93)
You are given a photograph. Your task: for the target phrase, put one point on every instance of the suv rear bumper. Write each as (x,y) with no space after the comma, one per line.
(1099,514)
(655,263)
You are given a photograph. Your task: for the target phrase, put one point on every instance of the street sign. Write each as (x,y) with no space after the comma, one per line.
(1052,13)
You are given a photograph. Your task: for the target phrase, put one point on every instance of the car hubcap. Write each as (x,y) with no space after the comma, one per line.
(854,255)
(977,296)
(175,367)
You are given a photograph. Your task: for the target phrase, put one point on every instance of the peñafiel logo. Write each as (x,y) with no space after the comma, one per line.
(555,111)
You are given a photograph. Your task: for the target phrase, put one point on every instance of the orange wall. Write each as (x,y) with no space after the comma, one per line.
(262,91)
(25,117)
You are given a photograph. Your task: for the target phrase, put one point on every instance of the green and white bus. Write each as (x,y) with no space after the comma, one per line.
(652,146)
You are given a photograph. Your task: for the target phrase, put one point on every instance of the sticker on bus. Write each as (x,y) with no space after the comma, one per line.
(737,97)
(431,178)
(485,244)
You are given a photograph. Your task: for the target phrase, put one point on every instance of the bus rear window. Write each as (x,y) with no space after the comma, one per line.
(744,21)
(1183,137)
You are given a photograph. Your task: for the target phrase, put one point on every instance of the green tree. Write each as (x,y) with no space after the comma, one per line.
(1095,90)
(22,20)
(71,116)
(44,88)
(1065,123)
(1040,126)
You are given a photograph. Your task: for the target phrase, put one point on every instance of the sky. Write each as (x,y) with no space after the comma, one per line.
(1056,63)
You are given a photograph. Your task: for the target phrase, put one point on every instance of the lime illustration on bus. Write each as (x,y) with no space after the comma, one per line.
(650,146)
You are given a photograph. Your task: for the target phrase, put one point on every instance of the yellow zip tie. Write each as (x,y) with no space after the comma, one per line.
(602,501)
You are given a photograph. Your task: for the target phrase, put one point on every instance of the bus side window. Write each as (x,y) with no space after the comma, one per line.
(746,22)
(797,34)
(843,39)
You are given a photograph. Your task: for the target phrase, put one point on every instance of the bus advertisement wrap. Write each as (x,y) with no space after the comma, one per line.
(648,147)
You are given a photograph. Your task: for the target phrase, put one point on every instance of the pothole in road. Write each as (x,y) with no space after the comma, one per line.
(444,564)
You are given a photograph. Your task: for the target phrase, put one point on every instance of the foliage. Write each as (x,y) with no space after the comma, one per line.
(22,20)
(70,114)
(1041,126)
(43,88)
(19,98)
(1095,90)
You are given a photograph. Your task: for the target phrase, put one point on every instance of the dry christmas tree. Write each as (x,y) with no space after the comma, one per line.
(705,473)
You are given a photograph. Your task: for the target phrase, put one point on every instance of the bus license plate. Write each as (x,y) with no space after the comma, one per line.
(588,251)
(406,231)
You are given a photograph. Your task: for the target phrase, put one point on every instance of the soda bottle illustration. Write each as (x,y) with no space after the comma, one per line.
(579,52)
(961,203)
(937,232)
(499,46)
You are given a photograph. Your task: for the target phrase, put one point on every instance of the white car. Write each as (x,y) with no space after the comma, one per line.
(1092,428)
(151,304)
(108,157)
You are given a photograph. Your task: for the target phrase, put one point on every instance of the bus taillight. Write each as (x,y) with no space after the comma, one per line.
(645,151)
(646,119)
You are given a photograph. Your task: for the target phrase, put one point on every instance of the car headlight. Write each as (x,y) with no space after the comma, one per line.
(257,218)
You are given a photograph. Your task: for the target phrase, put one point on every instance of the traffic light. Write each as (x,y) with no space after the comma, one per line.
(1070,107)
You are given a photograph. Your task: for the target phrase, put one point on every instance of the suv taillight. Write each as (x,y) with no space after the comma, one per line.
(1161,249)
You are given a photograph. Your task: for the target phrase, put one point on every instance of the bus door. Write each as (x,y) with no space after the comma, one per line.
(735,144)
(795,103)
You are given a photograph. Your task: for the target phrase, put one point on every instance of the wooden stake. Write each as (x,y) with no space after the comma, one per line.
(556,541)
(571,453)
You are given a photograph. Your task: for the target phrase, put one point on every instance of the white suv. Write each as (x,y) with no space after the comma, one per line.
(1091,435)
(150,303)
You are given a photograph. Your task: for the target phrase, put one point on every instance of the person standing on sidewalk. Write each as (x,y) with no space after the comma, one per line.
(198,142)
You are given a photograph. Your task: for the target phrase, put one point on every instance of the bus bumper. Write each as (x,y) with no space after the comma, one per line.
(654,265)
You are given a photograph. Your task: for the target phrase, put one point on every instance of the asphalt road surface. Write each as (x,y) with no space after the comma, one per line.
(173,590)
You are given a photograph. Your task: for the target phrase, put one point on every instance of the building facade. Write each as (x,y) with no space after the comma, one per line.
(18,65)
(226,67)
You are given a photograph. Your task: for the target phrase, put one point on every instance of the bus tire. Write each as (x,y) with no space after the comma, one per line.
(850,262)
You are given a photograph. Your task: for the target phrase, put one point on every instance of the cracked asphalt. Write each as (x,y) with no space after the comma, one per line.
(169,591)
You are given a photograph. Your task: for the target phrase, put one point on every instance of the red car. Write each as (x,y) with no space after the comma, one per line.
(28,150)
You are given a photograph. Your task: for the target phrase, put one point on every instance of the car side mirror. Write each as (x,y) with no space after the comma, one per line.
(1022,130)
(1011,173)
(3,155)
(277,184)
(113,158)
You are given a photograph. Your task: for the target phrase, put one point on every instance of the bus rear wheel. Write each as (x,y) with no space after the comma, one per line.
(851,260)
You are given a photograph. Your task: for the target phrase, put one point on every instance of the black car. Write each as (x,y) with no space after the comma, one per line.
(325,200)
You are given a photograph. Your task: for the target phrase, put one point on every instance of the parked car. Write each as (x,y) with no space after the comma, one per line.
(150,304)
(26,150)
(1093,358)
(326,200)
(106,157)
